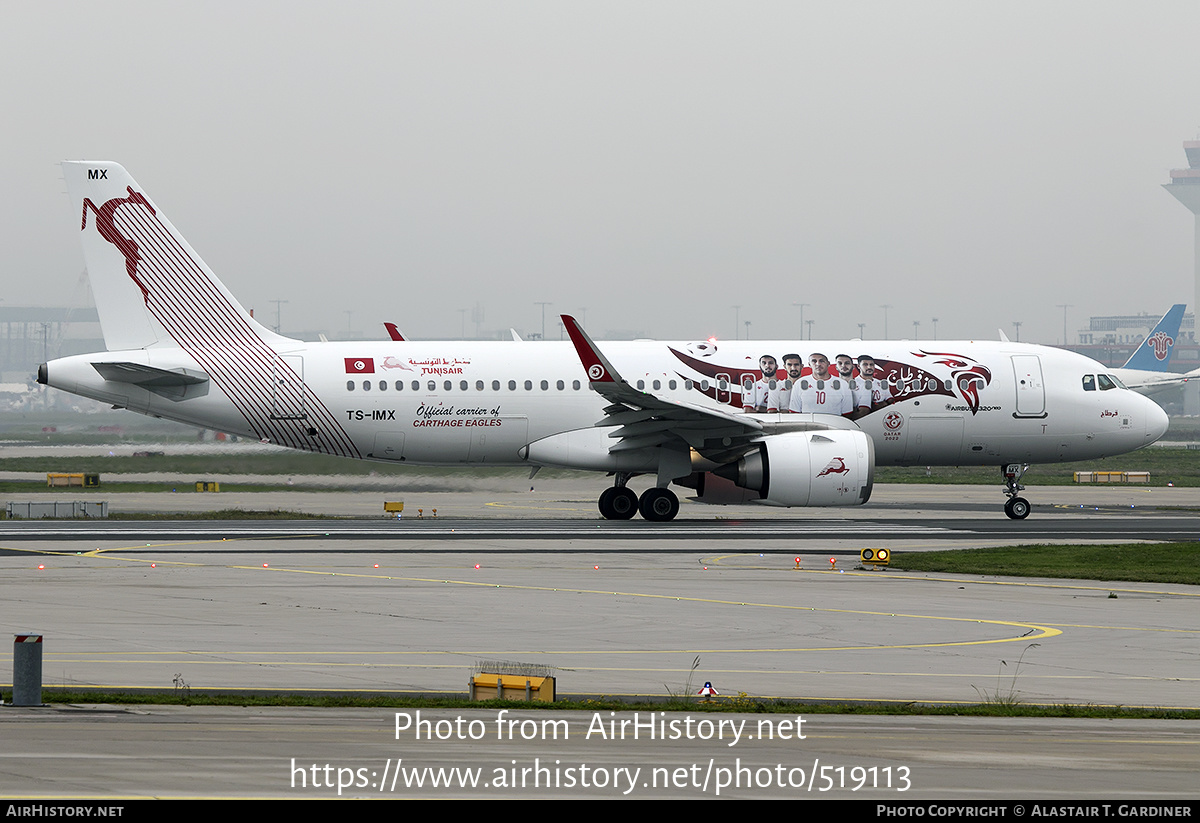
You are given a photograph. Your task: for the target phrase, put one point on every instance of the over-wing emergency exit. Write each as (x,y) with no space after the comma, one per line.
(784,423)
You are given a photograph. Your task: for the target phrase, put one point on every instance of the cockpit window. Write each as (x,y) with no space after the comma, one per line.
(1089,382)
(1116,380)
(1105,382)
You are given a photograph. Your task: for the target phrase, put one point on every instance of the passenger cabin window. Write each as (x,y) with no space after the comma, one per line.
(349,385)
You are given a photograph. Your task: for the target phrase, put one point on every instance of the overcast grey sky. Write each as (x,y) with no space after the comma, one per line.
(654,162)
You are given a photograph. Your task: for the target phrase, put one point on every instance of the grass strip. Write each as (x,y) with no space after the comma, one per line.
(1133,562)
(740,703)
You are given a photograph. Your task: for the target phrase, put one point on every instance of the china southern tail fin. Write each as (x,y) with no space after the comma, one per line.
(1154,354)
(150,286)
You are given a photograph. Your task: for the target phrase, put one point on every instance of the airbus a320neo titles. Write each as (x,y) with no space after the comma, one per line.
(783,423)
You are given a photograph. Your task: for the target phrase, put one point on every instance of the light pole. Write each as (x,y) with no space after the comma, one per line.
(543,304)
(935,328)
(278,319)
(1017,326)
(885,307)
(916,332)
(737,313)
(861,326)
(1064,307)
(477,318)
(801,305)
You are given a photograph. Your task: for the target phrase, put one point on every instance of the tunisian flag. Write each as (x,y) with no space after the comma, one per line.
(360,365)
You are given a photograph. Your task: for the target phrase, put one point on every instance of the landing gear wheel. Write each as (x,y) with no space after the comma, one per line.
(659,504)
(618,503)
(1017,508)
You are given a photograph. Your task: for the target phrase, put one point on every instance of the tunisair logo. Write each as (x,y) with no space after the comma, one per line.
(835,466)
(108,230)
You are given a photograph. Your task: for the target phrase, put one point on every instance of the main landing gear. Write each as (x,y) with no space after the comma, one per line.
(1015,507)
(620,503)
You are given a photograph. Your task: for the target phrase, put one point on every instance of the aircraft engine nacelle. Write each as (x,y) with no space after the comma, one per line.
(834,467)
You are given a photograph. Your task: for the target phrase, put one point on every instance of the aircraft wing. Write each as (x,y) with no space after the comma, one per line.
(644,420)
(1153,382)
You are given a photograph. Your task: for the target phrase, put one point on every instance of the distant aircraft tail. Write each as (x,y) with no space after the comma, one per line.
(1154,354)
(151,287)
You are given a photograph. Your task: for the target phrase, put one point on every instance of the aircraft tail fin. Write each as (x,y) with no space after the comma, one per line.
(1154,353)
(151,287)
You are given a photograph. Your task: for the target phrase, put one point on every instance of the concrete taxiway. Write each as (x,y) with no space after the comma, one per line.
(176,751)
(613,609)
(617,608)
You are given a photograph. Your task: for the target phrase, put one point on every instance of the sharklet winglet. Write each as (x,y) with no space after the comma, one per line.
(598,369)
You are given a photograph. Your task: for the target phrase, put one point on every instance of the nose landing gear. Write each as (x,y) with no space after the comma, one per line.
(1016,507)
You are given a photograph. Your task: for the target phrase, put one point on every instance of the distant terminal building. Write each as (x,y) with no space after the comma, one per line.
(1112,339)
(30,335)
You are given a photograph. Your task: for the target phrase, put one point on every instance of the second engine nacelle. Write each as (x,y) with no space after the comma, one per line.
(834,467)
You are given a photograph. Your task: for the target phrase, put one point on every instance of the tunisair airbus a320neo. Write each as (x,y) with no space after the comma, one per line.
(782,423)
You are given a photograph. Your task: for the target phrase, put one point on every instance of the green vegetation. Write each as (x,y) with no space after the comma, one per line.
(1177,466)
(222,514)
(1135,562)
(740,703)
(200,465)
(1180,467)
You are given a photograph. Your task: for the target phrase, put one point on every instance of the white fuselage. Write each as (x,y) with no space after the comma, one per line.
(481,403)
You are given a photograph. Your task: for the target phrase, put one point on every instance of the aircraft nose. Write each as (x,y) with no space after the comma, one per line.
(1156,421)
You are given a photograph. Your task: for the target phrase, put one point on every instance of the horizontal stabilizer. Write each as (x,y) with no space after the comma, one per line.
(149,377)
